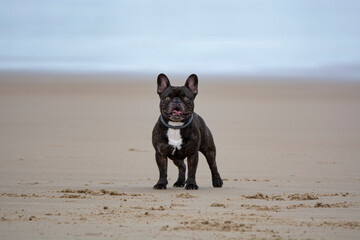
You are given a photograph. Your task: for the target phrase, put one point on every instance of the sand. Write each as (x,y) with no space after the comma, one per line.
(77,161)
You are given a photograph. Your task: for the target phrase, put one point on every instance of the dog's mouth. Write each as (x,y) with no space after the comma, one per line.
(177,112)
(176,115)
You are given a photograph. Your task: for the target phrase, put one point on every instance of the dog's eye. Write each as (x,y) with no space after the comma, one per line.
(167,98)
(186,98)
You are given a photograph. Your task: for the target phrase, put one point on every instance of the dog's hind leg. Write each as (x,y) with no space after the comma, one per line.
(210,155)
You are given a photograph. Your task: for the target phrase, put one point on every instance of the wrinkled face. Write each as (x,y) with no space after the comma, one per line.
(177,104)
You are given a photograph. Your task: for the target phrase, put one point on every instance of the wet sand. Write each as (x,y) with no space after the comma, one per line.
(77,161)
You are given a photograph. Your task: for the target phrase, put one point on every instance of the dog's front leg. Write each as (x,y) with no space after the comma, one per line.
(192,161)
(161,161)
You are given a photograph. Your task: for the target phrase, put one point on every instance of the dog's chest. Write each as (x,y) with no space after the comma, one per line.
(174,138)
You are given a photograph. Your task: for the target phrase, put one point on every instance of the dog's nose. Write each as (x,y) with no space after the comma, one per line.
(177,100)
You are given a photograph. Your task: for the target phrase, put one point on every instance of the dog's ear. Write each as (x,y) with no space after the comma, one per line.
(192,84)
(162,83)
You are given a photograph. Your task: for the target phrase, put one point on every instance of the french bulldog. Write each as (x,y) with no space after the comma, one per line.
(180,133)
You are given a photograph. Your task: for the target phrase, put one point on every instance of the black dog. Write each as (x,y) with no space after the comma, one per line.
(180,133)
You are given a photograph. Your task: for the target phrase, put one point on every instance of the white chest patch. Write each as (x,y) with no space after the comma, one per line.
(174,136)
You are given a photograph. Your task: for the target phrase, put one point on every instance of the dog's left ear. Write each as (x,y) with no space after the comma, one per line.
(192,84)
(162,83)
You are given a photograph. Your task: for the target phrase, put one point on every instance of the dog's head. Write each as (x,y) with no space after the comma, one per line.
(177,103)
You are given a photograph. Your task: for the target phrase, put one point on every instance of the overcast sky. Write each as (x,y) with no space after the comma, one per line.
(232,37)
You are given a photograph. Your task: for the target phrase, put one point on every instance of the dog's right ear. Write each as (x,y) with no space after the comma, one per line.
(162,83)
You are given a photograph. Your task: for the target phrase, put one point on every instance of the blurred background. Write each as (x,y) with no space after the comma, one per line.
(273,38)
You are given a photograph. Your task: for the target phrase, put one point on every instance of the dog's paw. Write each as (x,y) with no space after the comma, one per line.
(179,183)
(191,186)
(159,186)
(217,182)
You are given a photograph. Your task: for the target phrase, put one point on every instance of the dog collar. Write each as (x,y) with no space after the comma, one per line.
(176,127)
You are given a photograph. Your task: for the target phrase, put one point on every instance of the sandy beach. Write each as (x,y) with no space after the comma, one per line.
(76,161)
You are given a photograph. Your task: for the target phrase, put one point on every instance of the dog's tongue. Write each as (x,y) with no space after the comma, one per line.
(176,112)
